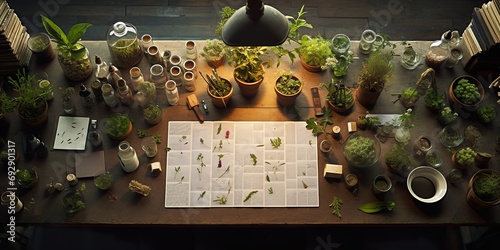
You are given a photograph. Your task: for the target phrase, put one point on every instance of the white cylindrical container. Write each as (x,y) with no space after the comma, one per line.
(191,51)
(171,92)
(189,82)
(136,77)
(190,65)
(176,75)
(128,157)
(146,41)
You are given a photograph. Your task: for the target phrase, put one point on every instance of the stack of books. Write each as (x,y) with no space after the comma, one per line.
(481,40)
(14,52)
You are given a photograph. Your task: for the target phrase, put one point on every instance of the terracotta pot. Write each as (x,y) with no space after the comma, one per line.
(472,199)
(124,136)
(36,121)
(367,98)
(248,89)
(458,103)
(221,102)
(359,124)
(310,68)
(287,100)
(216,64)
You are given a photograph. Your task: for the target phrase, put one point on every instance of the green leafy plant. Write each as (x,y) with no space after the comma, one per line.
(377,206)
(117,125)
(339,95)
(361,150)
(398,159)
(409,96)
(67,44)
(369,122)
(465,156)
(318,126)
(434,99)
(288,84)
(487,113)
(247,62)
(217,86)
(7,104)
(30,100)
(148,89)
(67,93)
(103,181)
(466,92)
(446,116)
(376,72)
(276,142)
(336,206)
(152,112)
(73,200)
(214,50)
(26,178)
(314,51)
(487,186)
(225,13)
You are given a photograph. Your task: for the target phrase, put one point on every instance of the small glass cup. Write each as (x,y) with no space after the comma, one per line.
(341,43)
(367,39)
(149,146)
(41,46)
(454,176)
(103,180)
(450,137)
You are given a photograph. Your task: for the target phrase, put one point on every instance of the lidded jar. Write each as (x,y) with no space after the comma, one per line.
(128,157)
(124,46)
(438,51)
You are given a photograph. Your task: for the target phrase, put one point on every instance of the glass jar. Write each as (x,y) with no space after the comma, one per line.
(128,157)
(108,94)
(68,105)
(402,134)
(76,65)
(136,77)
(410,59)
(176,75)
(341,43)
(171,92)
(154,55)
(123,44)
(41,46)
(96,86)
(438,51)
(454,56)
(191,51)
(158,76)
(367,39)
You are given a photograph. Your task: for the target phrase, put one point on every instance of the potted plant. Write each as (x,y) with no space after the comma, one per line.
(398,159)
(73,56)
(7,105)
(118,126)
(484,189)
(26,178)
(72,199)
(409,97)
(466,92)
(339,97)
(32,107)
(487,113)
(375,73)
(361,149)
(152,113)
(41,47)
(288,87)
(313,52)
(483,159)
(367,122)
(103,180)
(464,158)
(248,68)
(214,52)
(219,89)
(146,93)
(447,116)
(434,99)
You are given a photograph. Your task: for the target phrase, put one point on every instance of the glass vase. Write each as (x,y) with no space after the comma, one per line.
(68,105)
(124,46)
(76,65)
(402,134)
(367,39)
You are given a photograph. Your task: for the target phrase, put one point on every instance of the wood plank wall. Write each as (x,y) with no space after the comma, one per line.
(197,19)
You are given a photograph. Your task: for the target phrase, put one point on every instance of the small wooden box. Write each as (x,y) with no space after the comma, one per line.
(332,171)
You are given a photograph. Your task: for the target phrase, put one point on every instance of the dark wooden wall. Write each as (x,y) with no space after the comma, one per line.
(197,19)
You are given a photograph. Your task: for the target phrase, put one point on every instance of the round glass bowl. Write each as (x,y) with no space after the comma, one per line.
(451,137)
(361,149)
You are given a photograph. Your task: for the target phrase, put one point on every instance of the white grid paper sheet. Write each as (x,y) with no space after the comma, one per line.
(286,176)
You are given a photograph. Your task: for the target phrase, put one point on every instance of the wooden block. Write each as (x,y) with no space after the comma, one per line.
(332,171)
(351,127)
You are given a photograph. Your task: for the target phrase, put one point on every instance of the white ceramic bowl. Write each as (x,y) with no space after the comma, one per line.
(434,176)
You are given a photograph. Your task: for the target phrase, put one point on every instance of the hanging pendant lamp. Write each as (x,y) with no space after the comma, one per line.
(255,24)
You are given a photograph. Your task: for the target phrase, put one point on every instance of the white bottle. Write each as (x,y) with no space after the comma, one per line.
(128,157)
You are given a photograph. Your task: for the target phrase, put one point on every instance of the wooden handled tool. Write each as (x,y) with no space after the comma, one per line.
(193,104)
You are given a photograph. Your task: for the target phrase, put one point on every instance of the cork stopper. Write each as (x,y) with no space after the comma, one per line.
(98,59)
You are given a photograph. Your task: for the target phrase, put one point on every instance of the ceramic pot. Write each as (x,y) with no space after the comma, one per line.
(310,68)
(456,102)
(284,99)
(367,98)
(221,102)
(122,137)
(38,120)
(472,198)
(248,89)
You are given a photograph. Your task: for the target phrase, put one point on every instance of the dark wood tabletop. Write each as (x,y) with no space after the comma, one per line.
(121,206)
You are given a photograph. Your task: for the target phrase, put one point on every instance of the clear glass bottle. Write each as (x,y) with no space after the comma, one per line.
(158,76)
(96,89)
(128,157)
(123,44)
(108,93)
(172,92)
(176,75)
(367,39)
(191,50)
(410,59)
(438,51)
(124,93)
(102,69)
(88,99)
(136,77)
(38,147)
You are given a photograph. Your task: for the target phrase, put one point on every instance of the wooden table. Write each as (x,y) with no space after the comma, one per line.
(121,206)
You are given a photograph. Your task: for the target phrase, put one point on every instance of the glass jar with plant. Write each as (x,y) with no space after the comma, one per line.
(152,113)
(487,113)
(32,107)
(73,56)
(484,189)
(361,149)
(68,102)
(118,126)
(103,180)
(409,97)
(124,45)
(72,199)
(447,116)
(219,89)
(146,93)
(405,122)
(26,178)
(433,159)
(248,68)
(434,99)
(288,87)
(466,92)
(464,158)
(339,97)
(398,159)
(367,122)
(214,52)
(373,77)
(313,52)
(450,136)
(410,58)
